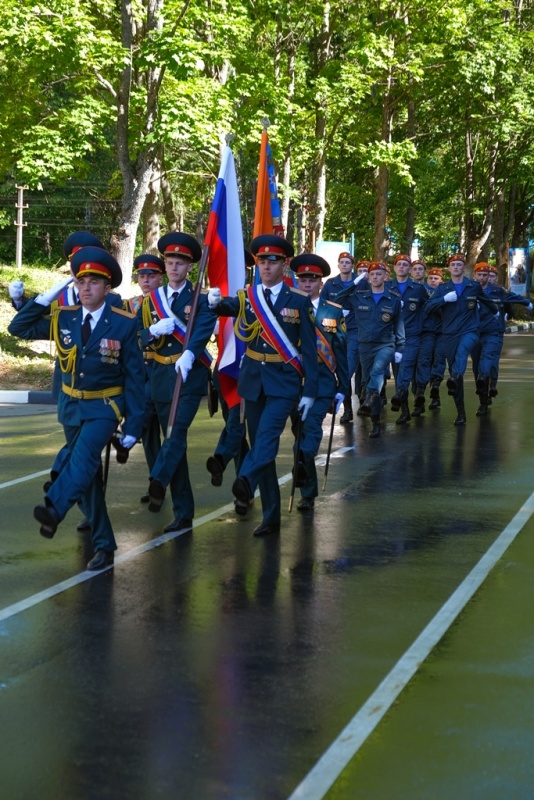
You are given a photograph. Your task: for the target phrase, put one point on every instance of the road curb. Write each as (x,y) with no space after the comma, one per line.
(521,326)
(41,398)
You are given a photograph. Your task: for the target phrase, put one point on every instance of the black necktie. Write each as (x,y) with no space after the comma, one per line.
(268,293)
(86,329)
(174,296)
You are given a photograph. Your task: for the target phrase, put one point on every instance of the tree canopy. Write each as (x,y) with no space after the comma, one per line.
(395,121)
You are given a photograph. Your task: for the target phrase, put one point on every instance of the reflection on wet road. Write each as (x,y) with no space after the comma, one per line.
(217,665)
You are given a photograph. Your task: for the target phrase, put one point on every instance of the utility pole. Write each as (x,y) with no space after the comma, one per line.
(20,224)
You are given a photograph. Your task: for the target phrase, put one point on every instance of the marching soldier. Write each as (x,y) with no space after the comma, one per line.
(102,384)
(430,361)
(148,270)
(165,315)
(487,352)
(280,362)
(418,271)
(458,300)
(334,383)
(331,290)
(413,298)
(378,316)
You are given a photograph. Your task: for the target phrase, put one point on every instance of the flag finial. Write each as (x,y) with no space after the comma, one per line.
(229,138)
(265,122)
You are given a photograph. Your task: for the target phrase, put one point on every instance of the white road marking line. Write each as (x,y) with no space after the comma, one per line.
(24,478)
(326,771)
(81,577)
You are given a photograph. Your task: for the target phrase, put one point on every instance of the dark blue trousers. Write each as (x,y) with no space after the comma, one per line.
(80,478)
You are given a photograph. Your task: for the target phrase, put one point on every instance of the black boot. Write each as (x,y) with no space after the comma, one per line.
(419,396)
(375,432)
(452,384)
(434,403)
(347,415)
(367,404)
(482,385)
(383,396)
(419,402)
(461,418)
(493,387)
(434,388)
(398,398)
(483,407)
(404,416)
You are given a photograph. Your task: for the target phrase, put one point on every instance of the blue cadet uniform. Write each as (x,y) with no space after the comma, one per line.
(102,384)
(168,308)
(381,334)
(413,297)
(147,264)
(487,352)
(69,297)
(333,381)
(430,367)
(332,289)
(280,361)
(458,304)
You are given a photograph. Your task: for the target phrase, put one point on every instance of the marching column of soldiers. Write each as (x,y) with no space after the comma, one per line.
(117,365)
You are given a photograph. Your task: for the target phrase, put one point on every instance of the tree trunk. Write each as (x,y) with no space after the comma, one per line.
(286,168)
(318,172)
(381,238)
(409,228)
(151,229)
(169,212)
(479,236)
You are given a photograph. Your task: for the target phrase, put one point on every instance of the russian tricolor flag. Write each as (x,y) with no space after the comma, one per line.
(226,269)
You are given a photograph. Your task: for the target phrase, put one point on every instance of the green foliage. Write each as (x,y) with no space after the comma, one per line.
(466,67)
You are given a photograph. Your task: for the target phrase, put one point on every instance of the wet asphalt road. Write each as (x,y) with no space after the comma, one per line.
(220,666)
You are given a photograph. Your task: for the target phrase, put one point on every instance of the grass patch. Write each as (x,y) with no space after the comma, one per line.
(24,365)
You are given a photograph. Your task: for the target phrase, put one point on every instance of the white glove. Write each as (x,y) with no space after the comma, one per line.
(162,327)
(450,297)
(339,399)
(305,404)
(184,364)
(45,298)
(506,317)
(16,290)
(402,303)
(127,441)
(360,278)
(214,297)
(345,312)
(398,358)
(530,307)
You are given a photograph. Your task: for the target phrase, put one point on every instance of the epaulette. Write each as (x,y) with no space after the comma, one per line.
(122,312)
(298,291)
(204,291)
(67,308)
(331,303)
